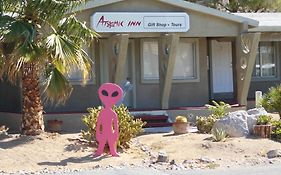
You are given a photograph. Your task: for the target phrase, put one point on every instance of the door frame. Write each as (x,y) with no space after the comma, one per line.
(210,66)
(133,66)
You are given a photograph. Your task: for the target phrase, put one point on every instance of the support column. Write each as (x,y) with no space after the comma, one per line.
(118,45)
(167,57)
(246,48)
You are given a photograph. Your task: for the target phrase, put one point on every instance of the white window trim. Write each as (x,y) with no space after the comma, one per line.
(270,78)
(194,41)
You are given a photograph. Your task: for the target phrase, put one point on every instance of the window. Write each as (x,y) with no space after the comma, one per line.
(186,67)
(76,76)
(150,63)
(265,66)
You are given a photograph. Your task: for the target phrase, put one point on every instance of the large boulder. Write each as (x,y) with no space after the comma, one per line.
(253,117)
(234,124)
(239,123)
(257,112)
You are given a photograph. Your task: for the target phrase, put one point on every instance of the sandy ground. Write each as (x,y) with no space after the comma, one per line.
(51,151)
(55,151)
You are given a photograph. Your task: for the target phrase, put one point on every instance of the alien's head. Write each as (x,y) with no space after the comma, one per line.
(110,94)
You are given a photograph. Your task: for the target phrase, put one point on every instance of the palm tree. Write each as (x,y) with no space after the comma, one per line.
(40,44)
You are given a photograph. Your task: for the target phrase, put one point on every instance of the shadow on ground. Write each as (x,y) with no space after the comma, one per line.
(85,159)
(11,142)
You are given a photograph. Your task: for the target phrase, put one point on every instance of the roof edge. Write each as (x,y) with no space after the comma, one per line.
(211,11)
(181,4)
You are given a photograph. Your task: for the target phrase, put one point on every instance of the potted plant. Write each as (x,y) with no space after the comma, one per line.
(180,125)
(263,128)
(54,125)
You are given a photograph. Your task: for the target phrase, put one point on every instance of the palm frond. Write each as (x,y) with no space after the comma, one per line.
(12,6)
(57,88)
(16,31)
(51,11)
(76,30)
(66,54)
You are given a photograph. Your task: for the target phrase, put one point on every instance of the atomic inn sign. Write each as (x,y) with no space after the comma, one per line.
(139,22)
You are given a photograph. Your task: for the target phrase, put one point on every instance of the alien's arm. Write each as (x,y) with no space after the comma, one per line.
(98,127)
(116,128)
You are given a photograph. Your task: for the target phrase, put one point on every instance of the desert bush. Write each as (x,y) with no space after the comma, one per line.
(128,126)
(205,124)
(218,108)
(271,100)
(276,131)
(264,120)
(219,135)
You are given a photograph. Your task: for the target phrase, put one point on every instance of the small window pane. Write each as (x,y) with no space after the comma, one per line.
(150,60)
(268,61)
(257,68)
(265,65)
(185,62)
(76,75)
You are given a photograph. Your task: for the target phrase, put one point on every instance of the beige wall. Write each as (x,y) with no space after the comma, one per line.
(201,25)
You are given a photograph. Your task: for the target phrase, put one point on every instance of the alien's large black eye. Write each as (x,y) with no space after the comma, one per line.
(114,94)
(104,92)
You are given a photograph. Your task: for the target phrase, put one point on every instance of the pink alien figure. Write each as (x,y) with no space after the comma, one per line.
(109,94)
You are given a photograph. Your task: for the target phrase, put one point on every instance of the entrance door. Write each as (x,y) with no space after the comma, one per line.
(222,73)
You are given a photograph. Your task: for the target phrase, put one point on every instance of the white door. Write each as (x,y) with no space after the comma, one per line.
(222,73)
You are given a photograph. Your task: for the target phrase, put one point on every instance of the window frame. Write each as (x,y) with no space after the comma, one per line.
(276,77)
(195,45)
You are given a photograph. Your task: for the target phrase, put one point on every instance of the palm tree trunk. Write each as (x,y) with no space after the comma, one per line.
(32,112)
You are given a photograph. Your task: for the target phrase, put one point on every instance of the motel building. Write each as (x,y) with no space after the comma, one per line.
(174,53)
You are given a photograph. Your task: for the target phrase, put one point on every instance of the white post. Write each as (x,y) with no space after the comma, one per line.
(258,98)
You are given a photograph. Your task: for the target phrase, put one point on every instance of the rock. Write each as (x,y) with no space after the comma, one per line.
(274,153)
(206,145)
(162,157)
(173,162)
(253,115)
(257,111)
(189,161)
(206,160)
(234,124)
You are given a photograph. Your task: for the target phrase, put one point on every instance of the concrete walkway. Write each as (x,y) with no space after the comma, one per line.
(257,170)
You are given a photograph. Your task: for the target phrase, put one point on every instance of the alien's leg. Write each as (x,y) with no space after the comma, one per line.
(100,149)
(112,143)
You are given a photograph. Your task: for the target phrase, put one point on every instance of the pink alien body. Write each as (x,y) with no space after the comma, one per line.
(109,94)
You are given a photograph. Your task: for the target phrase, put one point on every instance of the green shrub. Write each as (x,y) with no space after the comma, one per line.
(276,131)
(218,108)
(128,126)
(264,120)
(205,124)
(271,100)
(219,135)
